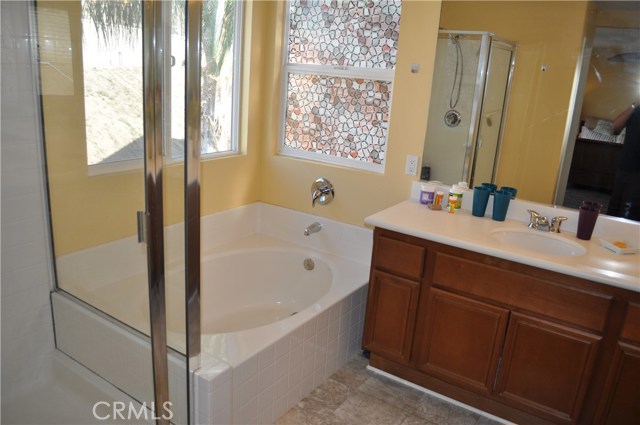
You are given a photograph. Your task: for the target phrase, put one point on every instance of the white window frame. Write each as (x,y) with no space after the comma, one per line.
(138,163)
(376,74)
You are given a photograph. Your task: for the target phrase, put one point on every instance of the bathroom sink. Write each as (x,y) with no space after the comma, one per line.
(538,241)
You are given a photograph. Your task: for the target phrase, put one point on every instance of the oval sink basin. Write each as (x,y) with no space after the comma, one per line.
(539,242)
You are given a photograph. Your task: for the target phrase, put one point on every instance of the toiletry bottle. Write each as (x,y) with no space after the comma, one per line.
(439,197)
(424,194)
(455,195)
(452,204)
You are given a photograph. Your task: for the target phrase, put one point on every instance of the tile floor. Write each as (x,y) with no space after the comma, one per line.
(355,395)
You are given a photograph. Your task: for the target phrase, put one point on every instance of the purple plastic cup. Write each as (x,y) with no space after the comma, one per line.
(587,217)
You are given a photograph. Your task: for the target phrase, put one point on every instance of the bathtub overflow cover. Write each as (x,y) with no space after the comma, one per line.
(308,264)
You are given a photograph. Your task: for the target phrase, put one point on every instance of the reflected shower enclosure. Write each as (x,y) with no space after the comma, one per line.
(469,97)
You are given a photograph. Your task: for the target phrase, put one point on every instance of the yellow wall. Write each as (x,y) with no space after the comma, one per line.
(547,33)
(91,210)
(287,181)
(88,211)
(616,85)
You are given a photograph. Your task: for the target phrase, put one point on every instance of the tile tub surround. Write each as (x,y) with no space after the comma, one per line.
(257,374)
(266,385)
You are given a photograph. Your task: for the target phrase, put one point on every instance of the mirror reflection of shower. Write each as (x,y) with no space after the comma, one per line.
(452,118)
(471,84)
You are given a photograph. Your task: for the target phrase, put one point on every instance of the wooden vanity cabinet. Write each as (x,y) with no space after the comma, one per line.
(523,343)
(463,340)
(621,400)
(392,304)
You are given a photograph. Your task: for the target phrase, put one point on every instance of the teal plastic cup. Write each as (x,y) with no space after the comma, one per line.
(491,186)
(512,190)
(501,200)
(480,200)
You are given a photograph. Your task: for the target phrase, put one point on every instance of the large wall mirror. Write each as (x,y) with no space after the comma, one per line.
(576,67)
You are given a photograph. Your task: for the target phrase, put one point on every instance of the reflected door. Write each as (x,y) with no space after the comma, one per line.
(498,79)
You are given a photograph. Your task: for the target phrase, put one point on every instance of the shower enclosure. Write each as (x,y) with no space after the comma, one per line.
(121,109)
(469,97)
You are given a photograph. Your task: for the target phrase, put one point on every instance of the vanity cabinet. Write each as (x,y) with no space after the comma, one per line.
(523,343)
(621,401)
(392,304)
(463,340)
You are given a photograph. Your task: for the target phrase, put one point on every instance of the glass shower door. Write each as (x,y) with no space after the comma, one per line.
(113,99)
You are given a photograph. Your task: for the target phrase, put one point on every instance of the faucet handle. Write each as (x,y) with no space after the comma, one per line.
(322,192)
(555,224)
(534,218)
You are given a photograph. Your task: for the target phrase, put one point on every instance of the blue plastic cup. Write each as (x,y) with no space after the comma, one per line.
(480,200)
(511,190)
(491,186)
(501,200)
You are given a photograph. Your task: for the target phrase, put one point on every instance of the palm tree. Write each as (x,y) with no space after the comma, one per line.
(217,39)
(122,19)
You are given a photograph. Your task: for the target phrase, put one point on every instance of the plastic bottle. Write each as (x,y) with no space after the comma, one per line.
(427,193)
(455,195)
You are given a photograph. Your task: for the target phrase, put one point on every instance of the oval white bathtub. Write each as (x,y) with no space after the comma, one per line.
(254,349)
(254,287)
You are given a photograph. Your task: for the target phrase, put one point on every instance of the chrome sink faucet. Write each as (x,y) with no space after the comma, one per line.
(540,222)
(312,228)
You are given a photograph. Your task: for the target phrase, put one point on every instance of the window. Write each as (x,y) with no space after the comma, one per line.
(340,60)
(112,55)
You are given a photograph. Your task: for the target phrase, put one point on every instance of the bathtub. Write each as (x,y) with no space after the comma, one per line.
(280,311)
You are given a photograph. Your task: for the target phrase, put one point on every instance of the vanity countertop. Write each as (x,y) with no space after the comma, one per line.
(465,231)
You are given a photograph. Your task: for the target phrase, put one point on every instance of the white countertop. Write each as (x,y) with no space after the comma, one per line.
(465,231)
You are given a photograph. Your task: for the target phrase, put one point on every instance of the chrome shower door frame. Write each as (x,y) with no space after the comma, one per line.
(153,83)
(155,15)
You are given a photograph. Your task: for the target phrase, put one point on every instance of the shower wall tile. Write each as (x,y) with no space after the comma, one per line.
(27,332)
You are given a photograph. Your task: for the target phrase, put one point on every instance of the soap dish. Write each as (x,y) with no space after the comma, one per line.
(619,246)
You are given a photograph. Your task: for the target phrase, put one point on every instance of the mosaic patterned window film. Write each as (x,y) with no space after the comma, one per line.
(344,33)
(341,59)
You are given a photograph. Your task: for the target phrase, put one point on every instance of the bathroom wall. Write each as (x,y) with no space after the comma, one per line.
(89,210)
(80,202)
(27,331)
(286,181)
(550,33)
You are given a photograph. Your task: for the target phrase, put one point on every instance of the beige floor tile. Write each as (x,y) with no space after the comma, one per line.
(442,413)
(353,373)
(356,396)
(361,408)
(392,392)
(332,393)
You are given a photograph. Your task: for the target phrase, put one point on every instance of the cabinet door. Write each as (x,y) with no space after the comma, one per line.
(463,340)
(623,389)
(546,367)
(391,316)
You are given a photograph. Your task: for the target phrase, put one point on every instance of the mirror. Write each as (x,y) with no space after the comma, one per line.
(544,107)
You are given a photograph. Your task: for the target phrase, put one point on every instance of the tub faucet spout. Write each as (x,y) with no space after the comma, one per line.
(313,228)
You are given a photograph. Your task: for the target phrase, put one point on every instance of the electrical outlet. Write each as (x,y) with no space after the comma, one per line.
(411,168)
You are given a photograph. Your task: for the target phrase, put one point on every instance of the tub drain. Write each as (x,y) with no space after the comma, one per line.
(308,264)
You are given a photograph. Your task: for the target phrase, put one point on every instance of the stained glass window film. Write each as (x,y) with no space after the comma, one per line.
(344,33)
(341,59)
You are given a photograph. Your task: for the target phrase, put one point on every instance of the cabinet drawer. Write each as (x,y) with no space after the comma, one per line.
(631,329)
(519,290)
(399,257)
